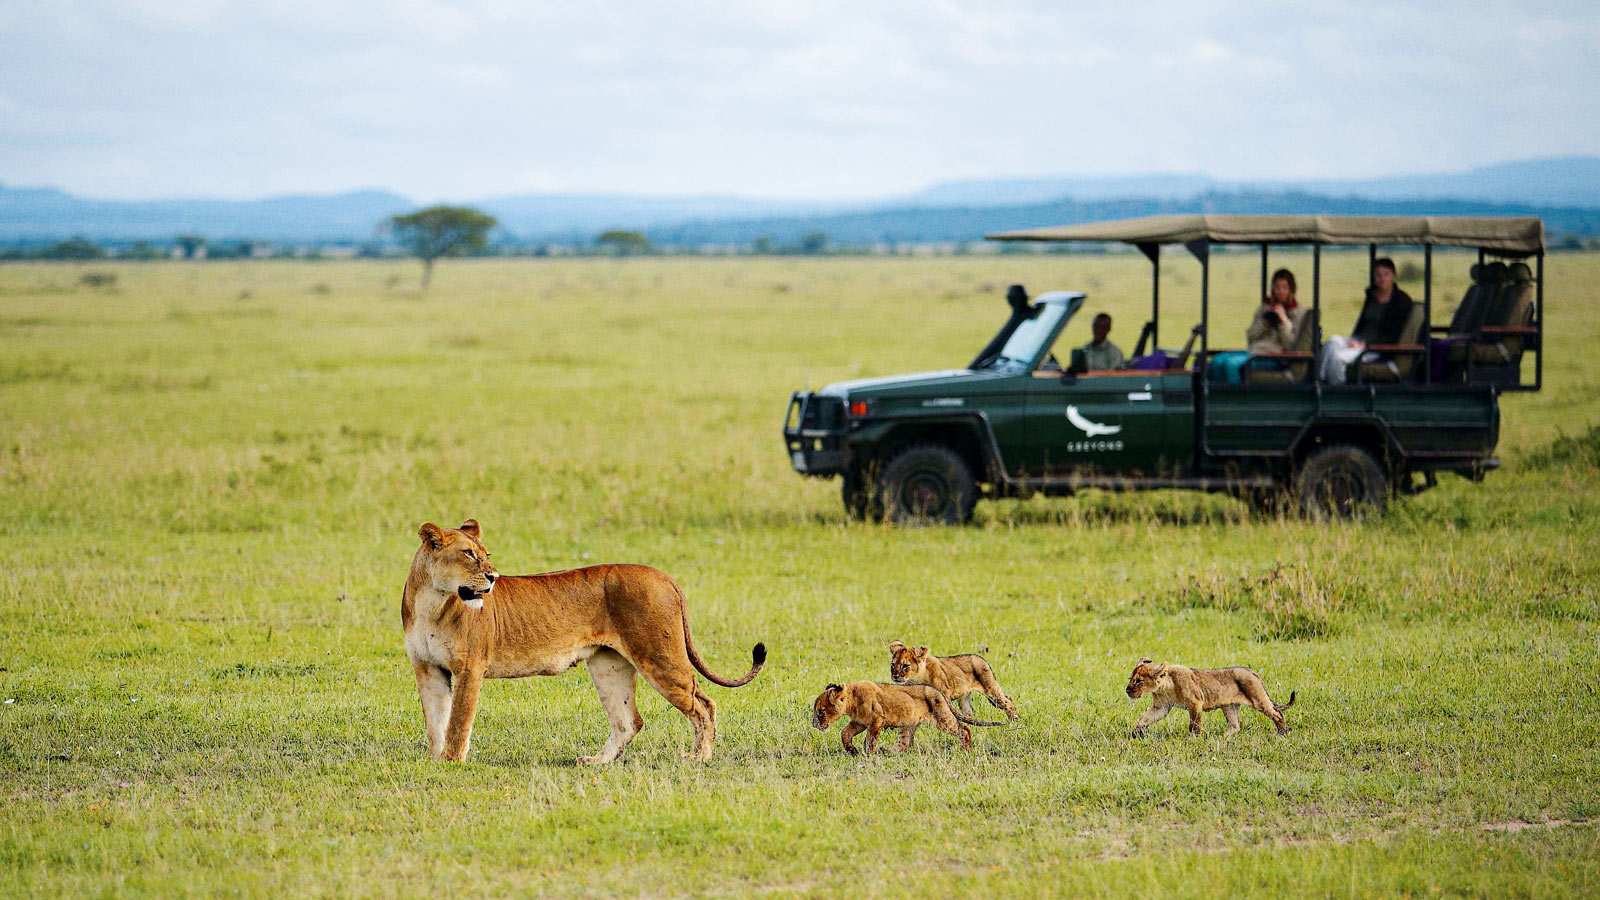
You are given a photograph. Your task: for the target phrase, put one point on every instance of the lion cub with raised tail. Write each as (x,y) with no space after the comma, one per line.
(1198,690)
(873,707)
(958,677)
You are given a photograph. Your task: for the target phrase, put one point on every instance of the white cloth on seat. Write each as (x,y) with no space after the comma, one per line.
(1336,355)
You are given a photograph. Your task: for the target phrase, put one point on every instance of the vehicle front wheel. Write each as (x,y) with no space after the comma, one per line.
(1341,481)
(927,484)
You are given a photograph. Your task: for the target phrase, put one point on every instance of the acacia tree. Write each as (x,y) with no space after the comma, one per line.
(441,231)
(623,243)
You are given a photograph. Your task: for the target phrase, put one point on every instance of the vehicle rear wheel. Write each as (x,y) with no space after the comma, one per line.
(927,484)
(1341,481)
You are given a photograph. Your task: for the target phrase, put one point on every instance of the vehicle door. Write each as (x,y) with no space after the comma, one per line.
(1103,423)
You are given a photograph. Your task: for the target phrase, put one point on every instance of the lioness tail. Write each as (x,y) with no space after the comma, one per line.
(1280,707)
(758,656)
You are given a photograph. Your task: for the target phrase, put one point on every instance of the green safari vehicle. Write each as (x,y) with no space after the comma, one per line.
(1015,421)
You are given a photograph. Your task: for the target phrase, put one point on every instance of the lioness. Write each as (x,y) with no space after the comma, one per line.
(464,622)
(957,677)
(1198,690)
(874,707)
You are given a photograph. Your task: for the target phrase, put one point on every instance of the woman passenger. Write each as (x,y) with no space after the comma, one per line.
(1272,330)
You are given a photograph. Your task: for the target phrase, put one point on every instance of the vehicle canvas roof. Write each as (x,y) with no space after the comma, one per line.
(1518,236)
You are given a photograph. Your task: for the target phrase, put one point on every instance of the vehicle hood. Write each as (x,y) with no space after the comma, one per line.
(891,384)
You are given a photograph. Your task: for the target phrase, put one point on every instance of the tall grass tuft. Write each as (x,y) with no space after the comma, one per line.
(1290,601)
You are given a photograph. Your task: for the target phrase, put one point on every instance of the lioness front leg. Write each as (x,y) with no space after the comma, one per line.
(1151,716)
(1194,719)
(1231,713)
(872,739)
(433,685)
(848,737)
(463,709)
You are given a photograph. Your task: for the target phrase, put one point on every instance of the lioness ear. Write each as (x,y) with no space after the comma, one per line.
(922,652)
(1143,661)
(1160,670)
(431,534)
(832,687)
(896,646)
(470,529)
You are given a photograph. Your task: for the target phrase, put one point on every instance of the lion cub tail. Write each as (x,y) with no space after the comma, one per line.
(966,721)
(1280,707)
(758,656)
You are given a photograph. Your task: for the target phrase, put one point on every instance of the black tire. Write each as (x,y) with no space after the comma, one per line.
(855,490)
(1341,481)
(927,484)
(1266,502)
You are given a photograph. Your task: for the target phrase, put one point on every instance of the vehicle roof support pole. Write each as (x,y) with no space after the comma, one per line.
(1153,253)
(1538,327)
(1372,260)
(1202,251)
(1263,271)
(1316,306)
(1427,314)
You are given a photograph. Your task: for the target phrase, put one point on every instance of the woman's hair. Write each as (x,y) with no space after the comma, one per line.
(1286,275)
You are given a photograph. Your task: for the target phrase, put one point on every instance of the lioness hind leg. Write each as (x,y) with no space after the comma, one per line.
(1231,713)
(433,684)
(964,703)
(616,681)
(680,689)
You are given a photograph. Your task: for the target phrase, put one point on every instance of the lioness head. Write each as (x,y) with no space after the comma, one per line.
(906,662)
(1146,677)
(828,708)
(457,562)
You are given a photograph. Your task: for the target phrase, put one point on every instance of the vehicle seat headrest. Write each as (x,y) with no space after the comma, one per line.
(1519,272)
(1494,273)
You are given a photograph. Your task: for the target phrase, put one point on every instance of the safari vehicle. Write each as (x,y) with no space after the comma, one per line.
(1014,422)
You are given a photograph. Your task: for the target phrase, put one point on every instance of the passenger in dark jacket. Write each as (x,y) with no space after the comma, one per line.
(1383,316)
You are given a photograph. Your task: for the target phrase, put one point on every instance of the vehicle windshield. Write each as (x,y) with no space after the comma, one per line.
(1030,337)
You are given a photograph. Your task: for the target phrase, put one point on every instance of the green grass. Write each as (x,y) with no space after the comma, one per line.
(211,478)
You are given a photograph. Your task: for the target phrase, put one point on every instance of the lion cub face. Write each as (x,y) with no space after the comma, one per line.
(457,561)
(1146,677)
(907,662)
(828,708)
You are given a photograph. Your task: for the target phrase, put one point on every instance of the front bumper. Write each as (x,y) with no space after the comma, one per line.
(813,434)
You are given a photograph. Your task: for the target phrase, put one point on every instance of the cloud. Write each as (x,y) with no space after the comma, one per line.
(829,99)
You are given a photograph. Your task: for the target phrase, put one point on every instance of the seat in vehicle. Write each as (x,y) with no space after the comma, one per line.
(1503,334)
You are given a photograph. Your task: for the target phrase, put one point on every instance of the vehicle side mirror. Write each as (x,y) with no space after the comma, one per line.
(1079,363)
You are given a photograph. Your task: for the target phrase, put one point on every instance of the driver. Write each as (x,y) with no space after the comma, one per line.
(1100,353)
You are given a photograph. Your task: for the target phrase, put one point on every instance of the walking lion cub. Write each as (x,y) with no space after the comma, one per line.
(1198,690)
(873,707)
(958,677)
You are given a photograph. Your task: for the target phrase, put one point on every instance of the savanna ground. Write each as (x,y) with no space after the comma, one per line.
(211,476)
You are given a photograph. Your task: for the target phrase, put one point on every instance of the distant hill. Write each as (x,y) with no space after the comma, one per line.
(1572,181)
(46,213)
(920,224)
(1564,190)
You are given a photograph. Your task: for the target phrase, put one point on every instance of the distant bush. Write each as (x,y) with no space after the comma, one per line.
(98,279)
(74,248)
(1580,451)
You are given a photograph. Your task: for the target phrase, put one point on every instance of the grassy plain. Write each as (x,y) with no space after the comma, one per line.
(211,477)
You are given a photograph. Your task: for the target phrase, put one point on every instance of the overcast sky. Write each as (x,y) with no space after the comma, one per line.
(826,100)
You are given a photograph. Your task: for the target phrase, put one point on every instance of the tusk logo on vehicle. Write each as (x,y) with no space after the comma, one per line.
(1092,429)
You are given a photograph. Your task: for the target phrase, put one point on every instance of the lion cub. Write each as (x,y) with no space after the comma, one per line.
(958,677)
(1198,690)
(873,707)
